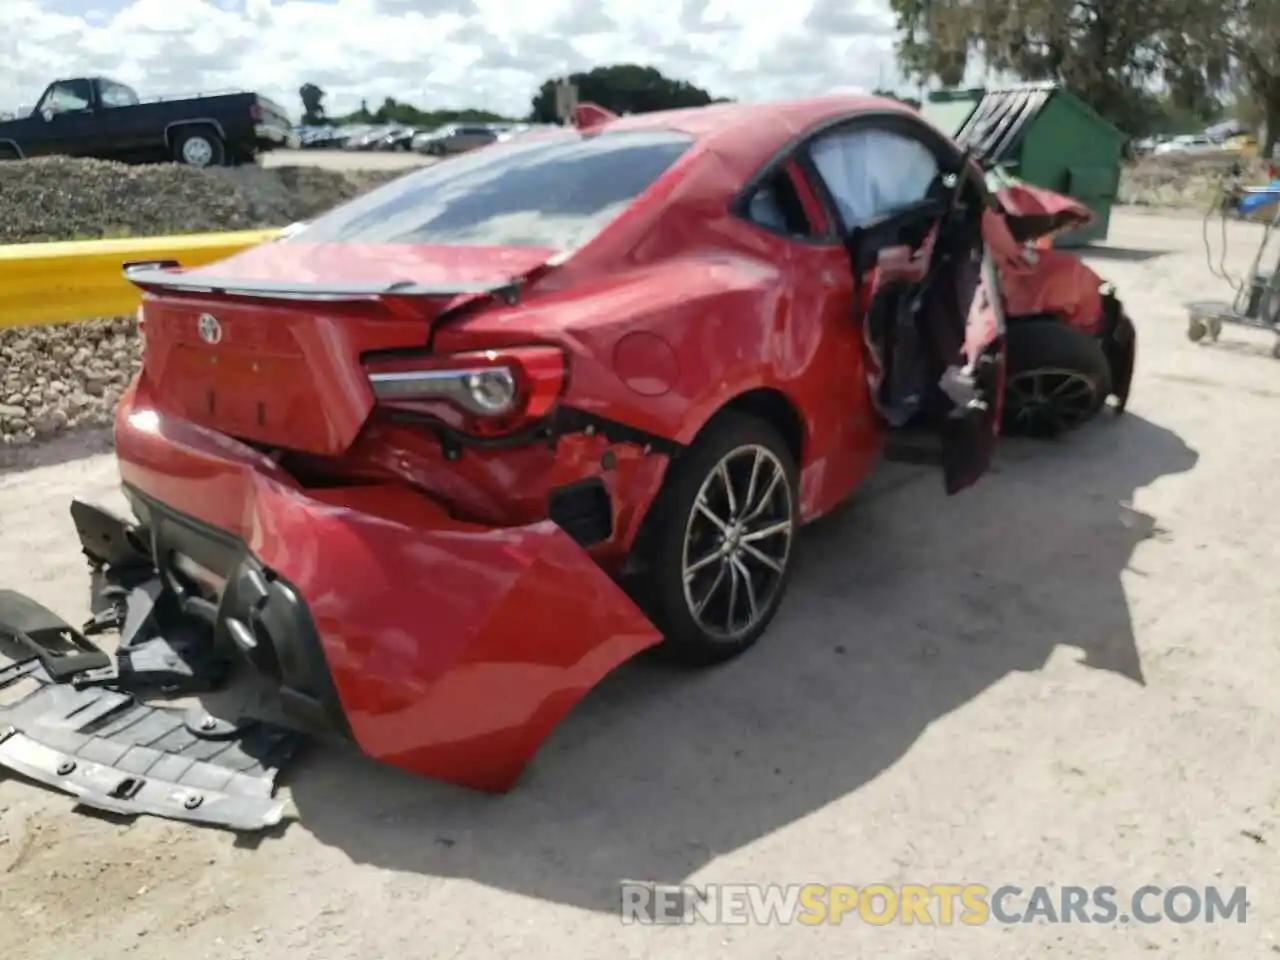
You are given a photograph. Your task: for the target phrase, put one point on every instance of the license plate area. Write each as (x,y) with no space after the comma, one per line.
(283,375)
(248,394)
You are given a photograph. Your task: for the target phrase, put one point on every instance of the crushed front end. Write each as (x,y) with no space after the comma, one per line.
(1050,282)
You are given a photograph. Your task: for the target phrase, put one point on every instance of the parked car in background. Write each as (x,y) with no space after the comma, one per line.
(1187,143)
(525,129)
(455,138)
(1143,146)
(1221,132)
(397,138)
(99,117)
(1243,143)
(348,133)
(369,138)
(323,137)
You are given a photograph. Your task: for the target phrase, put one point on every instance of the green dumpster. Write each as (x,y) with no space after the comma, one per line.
(1044,135)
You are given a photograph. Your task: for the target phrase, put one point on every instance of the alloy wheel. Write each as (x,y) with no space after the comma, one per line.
(1050,400)
(198,152)
(737,542)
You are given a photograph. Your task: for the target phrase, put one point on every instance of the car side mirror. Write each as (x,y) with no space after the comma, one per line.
(47,113)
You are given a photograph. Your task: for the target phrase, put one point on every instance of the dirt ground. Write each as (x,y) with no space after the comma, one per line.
(1064,676)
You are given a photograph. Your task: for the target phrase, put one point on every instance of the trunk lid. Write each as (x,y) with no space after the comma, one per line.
(265,346)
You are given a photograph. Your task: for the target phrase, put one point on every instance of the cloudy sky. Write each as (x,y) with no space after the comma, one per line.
(442,53)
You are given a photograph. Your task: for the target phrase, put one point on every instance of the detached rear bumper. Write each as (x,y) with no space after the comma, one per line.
(442,647)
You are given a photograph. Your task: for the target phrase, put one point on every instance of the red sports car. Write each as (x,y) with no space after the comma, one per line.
(445,456)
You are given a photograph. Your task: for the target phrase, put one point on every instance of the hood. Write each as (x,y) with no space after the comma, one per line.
(1033,213)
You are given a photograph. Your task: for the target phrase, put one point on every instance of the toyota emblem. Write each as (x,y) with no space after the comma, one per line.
(209,327)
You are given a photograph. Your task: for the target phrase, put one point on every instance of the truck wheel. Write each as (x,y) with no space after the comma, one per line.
(1057,378)
(723,541)
(8,153)
(199,147)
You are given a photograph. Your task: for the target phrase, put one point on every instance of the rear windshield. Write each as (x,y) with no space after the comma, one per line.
(556,193)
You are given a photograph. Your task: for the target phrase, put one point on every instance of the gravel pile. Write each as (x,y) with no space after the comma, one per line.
(59,378)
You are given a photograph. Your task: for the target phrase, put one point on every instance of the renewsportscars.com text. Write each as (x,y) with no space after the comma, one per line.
(936,904)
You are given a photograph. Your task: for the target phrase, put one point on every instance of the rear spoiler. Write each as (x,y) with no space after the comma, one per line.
(587,116)
(162,275)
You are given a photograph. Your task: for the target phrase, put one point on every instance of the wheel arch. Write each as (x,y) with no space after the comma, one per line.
(775,408)
(764,403)
(181,126)
(1022,318)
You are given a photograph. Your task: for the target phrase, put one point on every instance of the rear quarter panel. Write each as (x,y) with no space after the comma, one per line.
(663,348)
(659,348)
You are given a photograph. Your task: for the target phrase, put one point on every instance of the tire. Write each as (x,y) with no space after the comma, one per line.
(1057,378)
(736,441)
(8,153)
(199,147)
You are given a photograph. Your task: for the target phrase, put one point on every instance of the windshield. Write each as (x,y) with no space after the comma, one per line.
(555,193)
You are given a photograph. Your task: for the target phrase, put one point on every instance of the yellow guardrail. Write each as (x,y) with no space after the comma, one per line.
(43,283)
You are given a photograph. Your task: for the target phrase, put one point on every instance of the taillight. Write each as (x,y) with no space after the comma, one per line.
(489,392)
(256,112)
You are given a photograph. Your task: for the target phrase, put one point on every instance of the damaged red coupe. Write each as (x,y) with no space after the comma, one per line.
(442,458)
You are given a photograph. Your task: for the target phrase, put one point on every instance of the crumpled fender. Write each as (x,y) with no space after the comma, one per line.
(1034,212)
(454,649)
(1057,283)
(1044,281)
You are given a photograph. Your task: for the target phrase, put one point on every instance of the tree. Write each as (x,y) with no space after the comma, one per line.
(1107,52)
(397,111)
(1239,46)
(622,88)
(312,104)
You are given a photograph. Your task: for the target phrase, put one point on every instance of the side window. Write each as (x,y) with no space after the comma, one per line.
(67,96)
(871,173)
(776,206)
(116,95)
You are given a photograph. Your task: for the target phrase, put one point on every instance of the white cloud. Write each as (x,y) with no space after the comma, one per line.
(443,53)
